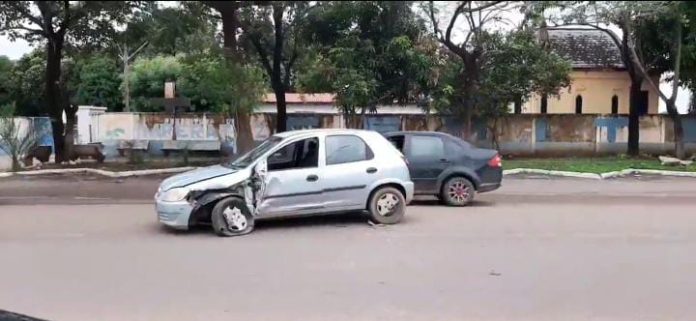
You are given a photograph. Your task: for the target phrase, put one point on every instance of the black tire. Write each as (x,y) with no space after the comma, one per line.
(457,191)
(392,197)
(220,222)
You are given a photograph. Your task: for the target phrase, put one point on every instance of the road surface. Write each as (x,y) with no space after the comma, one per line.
(84,249)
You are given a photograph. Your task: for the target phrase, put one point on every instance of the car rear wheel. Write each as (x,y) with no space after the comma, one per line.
(231,217)
(387,206)
(457,191)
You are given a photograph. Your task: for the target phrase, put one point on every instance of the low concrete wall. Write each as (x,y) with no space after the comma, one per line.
(525,134)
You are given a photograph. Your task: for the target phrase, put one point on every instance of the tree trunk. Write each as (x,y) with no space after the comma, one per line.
(54,51)
(69,137)
(470,88)
(276,76)
(15,163)
(229,31)
(126,85)
(633,117)
(679,151)
(282,109)
(228,12)
(243,124)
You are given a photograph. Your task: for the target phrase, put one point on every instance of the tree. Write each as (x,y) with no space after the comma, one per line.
(272,30)
(208,80)
(213,84)
(479,18)
(642,57)
(156,31)
(147,79)
(494,67)
(15,141)
(6,86)
(229,15)
(58,23)
(28,81)
(96,81)
(368,53)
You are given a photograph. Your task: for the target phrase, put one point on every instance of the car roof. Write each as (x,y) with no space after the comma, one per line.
(418,133)
(322,131)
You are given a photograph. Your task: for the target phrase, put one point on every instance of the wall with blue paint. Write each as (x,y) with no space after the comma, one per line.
(382,124)
(689,125)
(610,127)
(303,122)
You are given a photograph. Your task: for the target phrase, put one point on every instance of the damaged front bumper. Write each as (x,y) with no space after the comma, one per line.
(174,214)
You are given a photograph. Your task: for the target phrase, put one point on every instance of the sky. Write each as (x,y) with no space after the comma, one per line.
(15,50)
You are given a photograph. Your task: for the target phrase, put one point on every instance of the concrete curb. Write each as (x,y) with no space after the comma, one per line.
(551,173)
(100,172)
(600,176)
(505,172)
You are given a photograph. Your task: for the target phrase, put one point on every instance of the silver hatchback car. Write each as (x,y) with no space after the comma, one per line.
(294,173)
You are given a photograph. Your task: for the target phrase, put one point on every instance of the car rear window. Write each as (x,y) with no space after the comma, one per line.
(342,149)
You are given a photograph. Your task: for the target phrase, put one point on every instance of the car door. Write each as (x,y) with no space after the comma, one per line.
(350,168)
(427,160)
(293,180)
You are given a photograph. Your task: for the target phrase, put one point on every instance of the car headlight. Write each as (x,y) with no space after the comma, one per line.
(174,195)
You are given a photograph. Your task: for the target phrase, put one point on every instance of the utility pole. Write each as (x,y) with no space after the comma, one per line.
(126,58)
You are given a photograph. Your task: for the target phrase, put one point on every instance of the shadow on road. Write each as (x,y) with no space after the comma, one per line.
(327,220)
(436,203)
(11,316)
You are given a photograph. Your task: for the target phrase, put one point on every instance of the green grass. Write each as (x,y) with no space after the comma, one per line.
(592,165)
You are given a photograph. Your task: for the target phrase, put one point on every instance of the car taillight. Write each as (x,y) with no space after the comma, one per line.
(496,161)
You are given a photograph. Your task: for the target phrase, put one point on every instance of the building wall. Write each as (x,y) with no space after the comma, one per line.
(597,89)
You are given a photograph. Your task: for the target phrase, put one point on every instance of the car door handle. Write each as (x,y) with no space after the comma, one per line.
(371,170)
(444,160)
(312,178)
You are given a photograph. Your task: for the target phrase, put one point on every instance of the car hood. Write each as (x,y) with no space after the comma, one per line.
(195,176)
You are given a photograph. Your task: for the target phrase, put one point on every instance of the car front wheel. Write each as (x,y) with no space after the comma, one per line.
(231,217)
(387,206)
(457,191)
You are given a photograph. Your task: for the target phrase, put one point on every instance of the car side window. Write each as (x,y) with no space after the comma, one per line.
(342,149)
(397,141)
(426,147)
(452,148)
(300,154)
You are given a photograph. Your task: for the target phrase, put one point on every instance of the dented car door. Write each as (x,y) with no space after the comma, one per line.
(292,183)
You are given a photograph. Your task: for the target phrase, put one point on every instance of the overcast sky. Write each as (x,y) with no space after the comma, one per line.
(15,50)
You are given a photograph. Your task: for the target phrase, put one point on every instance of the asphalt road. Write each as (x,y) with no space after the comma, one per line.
(80,248)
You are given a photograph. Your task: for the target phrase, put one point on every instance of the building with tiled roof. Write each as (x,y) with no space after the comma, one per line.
(600,83)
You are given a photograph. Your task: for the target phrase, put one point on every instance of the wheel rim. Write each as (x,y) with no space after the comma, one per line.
(386,204)
(236,221)
(459,192)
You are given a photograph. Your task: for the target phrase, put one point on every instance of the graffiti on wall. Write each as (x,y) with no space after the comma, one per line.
(161,127)
(43,128)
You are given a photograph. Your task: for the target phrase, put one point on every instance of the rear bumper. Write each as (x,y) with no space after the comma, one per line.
(487,187)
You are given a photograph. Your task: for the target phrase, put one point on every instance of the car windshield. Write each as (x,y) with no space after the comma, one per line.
(254,154)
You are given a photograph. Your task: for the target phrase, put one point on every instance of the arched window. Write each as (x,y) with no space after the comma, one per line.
(615,104)
(544,104)
(578,104)
(518,105)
